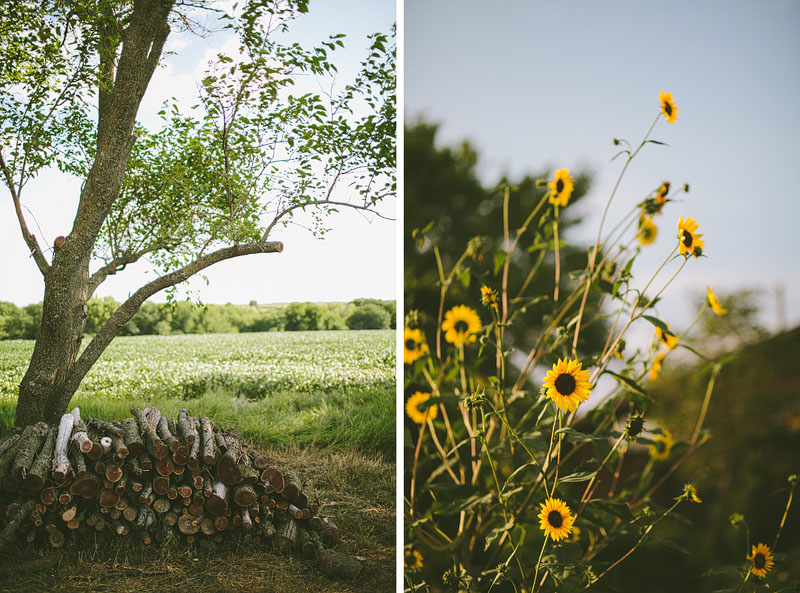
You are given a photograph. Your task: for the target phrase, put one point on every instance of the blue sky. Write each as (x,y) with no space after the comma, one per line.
(537,85)
(356,259)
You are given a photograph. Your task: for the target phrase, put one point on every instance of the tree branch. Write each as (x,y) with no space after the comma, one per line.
(128,309)
(30,239)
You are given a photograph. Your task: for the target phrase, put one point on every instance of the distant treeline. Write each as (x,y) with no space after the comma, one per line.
(187,318)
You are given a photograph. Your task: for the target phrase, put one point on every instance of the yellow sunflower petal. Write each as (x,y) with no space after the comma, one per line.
(461,325)
(561,187)
(668,108)
(714,303)
(414,408)
(762,560)
(555,519)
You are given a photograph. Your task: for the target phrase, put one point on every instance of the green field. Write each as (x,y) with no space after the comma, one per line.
(320,402)
(324,388)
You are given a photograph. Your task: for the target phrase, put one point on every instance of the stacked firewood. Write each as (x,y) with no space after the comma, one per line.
(150,475)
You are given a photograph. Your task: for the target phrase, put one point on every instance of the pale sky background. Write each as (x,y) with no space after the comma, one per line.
(355,259)
(535,85)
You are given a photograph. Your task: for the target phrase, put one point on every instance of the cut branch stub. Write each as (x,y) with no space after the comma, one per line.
(132,437)
(42,464)
(79,435)
(28,451)
(208,445)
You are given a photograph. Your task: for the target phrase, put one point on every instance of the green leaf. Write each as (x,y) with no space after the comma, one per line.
(499,260)
(577,477)
(629,382)
(495,533)
(658,142)
(659,324)
(693,351)
(579,437)
(670,544)
(618,509)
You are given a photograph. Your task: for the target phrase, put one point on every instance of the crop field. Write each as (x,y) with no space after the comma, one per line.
(278,387)
(319,402)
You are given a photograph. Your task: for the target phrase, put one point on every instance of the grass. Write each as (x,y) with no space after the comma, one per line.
(322,403)
(361,486)
(331,389)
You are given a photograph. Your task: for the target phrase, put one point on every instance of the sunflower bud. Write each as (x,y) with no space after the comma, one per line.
(475,401)
(634,426)
(686,188)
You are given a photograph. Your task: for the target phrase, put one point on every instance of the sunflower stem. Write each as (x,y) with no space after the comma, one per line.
(599,234)
(706,400)
(639,542)
(584,500)
(793,482)
(558,257)
(539,563)
(414,470)
(514,434)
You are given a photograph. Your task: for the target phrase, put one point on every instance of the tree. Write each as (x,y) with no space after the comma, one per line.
(447,205)
(213,183)
(369,316)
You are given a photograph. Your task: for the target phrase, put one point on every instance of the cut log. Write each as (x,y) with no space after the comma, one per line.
(152,444)
(244,495)
(162,429)
(130,514)
(146,518)
(114,473)
(170,518)
(186,428)
(48,495)
(7,457)
(208,445)
(56,539)
(272,477)
(9,438)
(79,433)
(228,461)
(247,520)
(295,511)
(41,465)
(188,525)
(292,484)
(28,451)
(108,428)
(132,437)
(215,503)
(105,444)
(85,487)
(77,462)
(108,498)
(286,535)
(338,566)
(221,523)
(161,505)
(118,444)
(70,513)
(207,526)
(61,464)
(161,485)
(164,466)
(15,520)
(145,462)
(194,449)
(329,533)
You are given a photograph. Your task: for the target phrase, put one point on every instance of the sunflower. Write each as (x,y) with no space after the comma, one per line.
(713,302)
(412,560)
(656,370)
(667,338)
(488,297)
(690,492)
(661,196)
(417,412)
(561,188)
(460,325)
(689,240)
(663,445)
(647,231)
(555,519)
(762,560)
(414,345)
(668,107)
(567,385)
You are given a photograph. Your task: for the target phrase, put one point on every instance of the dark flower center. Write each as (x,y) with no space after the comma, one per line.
(461,327)
(411,560)
(411,344)
(667,108)
(686,239)
(565,384)
(759,561)
(555,519)
(664,190)
(647,233)
(559,186)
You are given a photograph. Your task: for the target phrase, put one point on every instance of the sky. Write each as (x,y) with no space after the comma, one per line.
(355,259)
(543,85)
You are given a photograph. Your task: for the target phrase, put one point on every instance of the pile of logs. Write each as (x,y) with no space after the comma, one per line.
(148,476)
